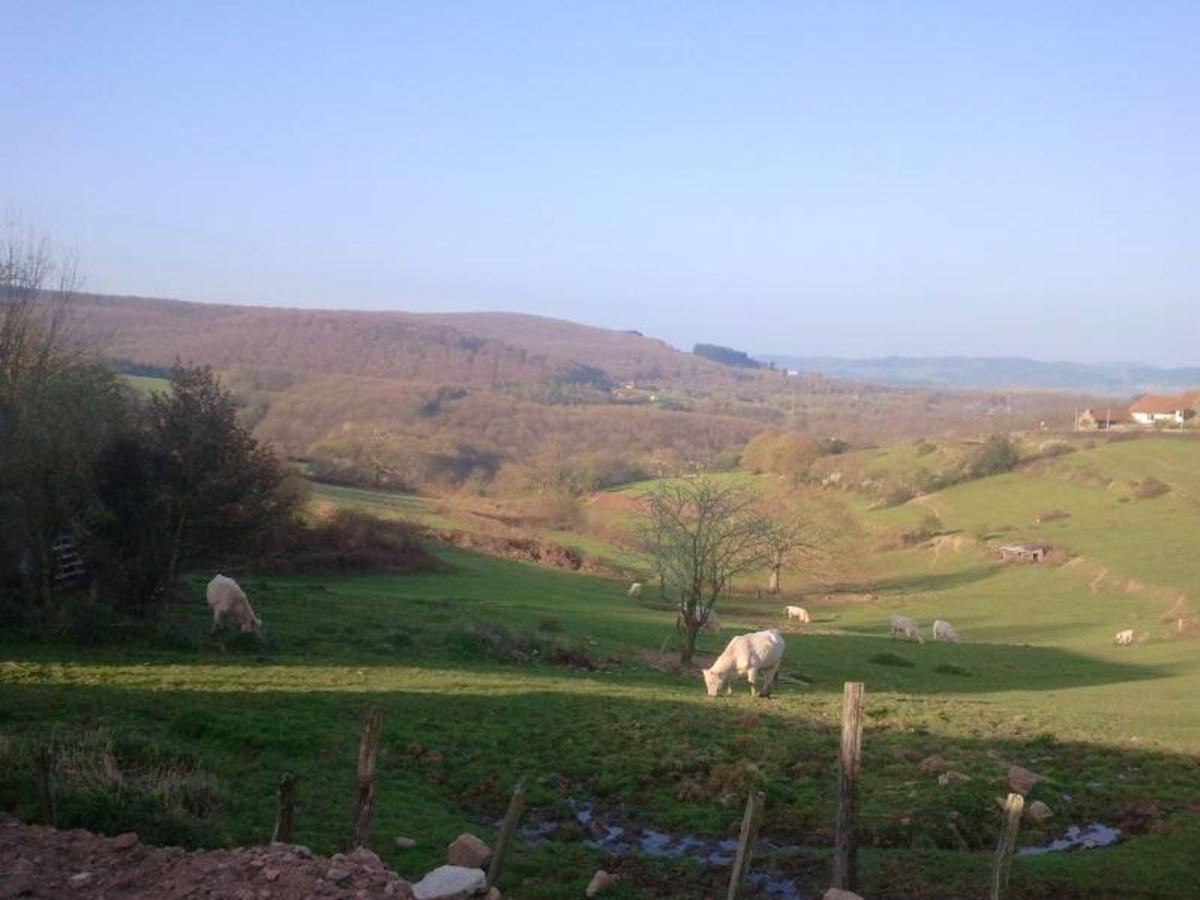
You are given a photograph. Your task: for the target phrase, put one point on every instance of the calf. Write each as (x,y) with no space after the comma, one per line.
(635,589)
(1124,638)
(799,613)
(751,655)
(226,598)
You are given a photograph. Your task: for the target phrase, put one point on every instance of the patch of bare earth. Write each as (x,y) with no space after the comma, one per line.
(42,862)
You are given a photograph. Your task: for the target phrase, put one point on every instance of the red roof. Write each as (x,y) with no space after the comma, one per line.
(1160,403)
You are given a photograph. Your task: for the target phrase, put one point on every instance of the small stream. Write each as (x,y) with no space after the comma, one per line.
(1076,838)
(624,839)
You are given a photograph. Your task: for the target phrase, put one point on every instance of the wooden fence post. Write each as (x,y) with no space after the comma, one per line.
(285,811)
(845,847)
(44,760)
(368,756)
(1013,807)
(751,822)
(508,828)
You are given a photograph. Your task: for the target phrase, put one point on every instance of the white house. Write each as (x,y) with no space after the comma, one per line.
(1167,409)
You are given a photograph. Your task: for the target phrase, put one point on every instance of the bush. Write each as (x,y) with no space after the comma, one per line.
(950,669)
(1150,487)
(995,455)
(352,540)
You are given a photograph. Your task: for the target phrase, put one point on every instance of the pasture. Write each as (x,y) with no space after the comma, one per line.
(481,671)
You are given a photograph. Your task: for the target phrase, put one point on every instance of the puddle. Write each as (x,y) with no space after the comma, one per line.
(1076,838)
(621,840)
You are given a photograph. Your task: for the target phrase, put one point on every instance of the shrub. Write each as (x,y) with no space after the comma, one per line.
(352,540)
(995,455)
(950,669)
(1150,487)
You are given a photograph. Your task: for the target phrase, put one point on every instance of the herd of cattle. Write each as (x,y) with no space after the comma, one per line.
(749,655)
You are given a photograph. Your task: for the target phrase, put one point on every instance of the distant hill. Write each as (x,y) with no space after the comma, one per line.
(996,373)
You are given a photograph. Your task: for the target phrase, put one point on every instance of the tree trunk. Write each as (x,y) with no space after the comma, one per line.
(689,644)
(773,586)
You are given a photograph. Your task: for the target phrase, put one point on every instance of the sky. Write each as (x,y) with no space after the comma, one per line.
(813,178)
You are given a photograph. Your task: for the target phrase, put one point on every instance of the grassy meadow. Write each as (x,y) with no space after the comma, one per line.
(494,670)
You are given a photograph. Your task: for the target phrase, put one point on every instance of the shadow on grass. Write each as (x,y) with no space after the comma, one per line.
(448,759)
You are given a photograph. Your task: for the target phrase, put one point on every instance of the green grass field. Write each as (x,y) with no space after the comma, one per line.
(478,670)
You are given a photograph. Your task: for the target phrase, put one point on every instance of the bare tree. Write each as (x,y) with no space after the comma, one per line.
(787,541)
(701,533)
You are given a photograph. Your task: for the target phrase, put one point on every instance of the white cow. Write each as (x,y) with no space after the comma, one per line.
(944,631)
(799,613)
(751,655)
(712,625)
(1124,638)
(635,589)
(906,627)
(226,598)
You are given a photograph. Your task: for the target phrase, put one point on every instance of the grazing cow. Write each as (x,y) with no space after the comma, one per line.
(944,631)
(226,598)
(749,655)
(1124,638)
(712,624)
(906,627)
(799,613)
(635,589)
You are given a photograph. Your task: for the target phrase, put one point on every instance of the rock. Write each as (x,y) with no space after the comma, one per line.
(493,894)
(931,764)
(839,894)
(80,879)
(366,858)
(405,843)
(600,881)
(271,873)
(124,841)
(468,851)
(952,777)
(1038,811)
(1021,780)
(451,883)
(400,889)
(336,874)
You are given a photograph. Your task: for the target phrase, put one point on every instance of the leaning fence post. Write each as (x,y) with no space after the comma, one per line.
(508,828)
(368,756)
(44,760)
(751,822)
(845,847)
(286,809)
(1013,807)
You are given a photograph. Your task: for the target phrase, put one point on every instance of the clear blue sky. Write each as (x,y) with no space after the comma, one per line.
(815,178)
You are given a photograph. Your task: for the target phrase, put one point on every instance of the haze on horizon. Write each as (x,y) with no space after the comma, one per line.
(922,180)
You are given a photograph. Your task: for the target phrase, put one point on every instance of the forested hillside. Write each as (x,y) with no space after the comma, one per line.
(469,399)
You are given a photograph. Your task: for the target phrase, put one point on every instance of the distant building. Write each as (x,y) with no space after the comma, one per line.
(1103,419)
(1167,409)
(1022,553)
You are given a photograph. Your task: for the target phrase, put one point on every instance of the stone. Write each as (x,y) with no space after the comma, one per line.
(839,894)
(931,764)
(80,879)
(271,873)
(1021,780)
(124,841)
(399,888)
(493,894)
(368,859)
(952,777)
(1038,811)
(600,881)
(405,843)
(468,851)
(336,874)
(451,883)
